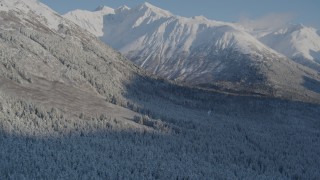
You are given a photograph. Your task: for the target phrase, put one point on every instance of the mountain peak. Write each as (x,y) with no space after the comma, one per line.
(149,7)
(104,8)
(122,9)
(146,4)
(290,28)
(199,18)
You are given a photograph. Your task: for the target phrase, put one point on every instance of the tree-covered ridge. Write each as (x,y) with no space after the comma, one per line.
(73,108)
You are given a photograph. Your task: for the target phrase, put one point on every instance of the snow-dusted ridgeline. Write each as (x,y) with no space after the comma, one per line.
(203,52)
(39,11)
(57,122)
(91,21)
(297,42)
(293,41)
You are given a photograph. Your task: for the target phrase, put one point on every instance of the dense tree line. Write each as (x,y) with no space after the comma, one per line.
(41,142)
(180,133)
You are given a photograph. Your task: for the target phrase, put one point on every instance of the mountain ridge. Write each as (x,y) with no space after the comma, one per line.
(71,107)
(291,54)
(296,49)
(297,42)
(202,52)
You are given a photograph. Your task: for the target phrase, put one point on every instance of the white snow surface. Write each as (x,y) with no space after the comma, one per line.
(130,30)
(194,50)
(42,13)
(294,41)
(91,21)
(199,50)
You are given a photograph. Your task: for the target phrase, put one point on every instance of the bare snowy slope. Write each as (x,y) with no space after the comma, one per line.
(36,10)
(91,21)
(202,52)
(297,42)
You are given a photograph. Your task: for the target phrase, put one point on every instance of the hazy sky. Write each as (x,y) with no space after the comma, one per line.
(306,12)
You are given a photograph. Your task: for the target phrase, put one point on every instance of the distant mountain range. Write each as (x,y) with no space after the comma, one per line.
(294,41)
(208,53)
(297,42)
(192,51)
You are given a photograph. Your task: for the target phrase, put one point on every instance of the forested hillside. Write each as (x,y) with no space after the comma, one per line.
(73,108)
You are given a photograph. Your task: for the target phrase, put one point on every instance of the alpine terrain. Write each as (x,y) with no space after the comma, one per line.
(72,107)
(205,53)
(298,42)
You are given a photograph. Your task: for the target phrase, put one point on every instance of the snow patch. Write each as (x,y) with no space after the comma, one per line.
(44,14)
(122,9)
(294,41)
(91,21)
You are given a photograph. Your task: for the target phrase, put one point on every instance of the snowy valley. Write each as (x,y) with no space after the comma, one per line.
(72,107)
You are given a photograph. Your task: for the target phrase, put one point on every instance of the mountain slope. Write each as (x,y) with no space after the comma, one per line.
(91,21)
(297,42)
(204,53)
(57,122)
(33,9)
(50,61)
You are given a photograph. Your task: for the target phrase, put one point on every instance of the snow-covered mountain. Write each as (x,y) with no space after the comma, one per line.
(198,51)
(40,12)
(91,21)
(53,62)
(194,50)
(297,42)
(71,107)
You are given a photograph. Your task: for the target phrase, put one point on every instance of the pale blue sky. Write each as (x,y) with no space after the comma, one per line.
(306,12)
